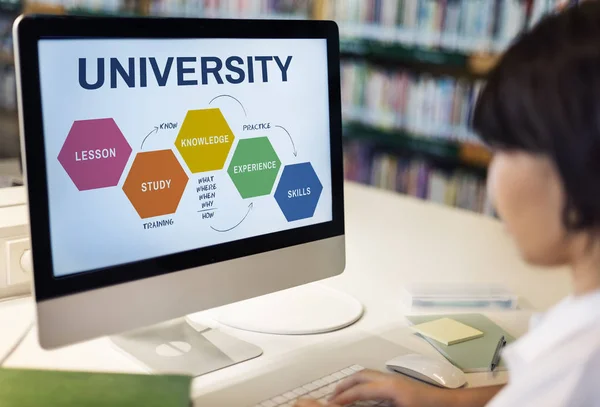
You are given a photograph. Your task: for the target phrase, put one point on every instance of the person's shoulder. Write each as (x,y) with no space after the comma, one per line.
(593,362)
(587,391)
(583,346)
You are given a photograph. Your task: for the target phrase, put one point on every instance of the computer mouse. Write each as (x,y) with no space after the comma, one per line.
(433,371)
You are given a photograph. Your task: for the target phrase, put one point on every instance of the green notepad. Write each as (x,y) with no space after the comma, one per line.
(29,388)
(474,355)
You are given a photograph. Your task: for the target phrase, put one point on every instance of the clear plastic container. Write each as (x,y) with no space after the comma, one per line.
(459,295)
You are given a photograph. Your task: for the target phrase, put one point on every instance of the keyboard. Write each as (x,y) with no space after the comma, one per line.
(320,389)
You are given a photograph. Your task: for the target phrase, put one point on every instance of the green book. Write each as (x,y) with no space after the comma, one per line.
(29,388)
(474,355)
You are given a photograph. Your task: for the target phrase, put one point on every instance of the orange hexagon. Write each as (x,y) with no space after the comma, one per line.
(155,183)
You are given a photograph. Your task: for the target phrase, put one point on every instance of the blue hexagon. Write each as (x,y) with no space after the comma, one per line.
(298,191)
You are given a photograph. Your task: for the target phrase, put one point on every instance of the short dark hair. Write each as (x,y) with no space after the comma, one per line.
(544,97)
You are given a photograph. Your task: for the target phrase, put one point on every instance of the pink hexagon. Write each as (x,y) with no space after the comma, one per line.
(94,154)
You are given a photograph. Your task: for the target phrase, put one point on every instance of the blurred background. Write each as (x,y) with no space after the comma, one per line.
(411,71)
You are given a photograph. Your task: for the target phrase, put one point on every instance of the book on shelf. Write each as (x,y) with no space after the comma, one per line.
(8,92)
(110,6)
(416,177)
(418,103)
(511,22)
(232,9)
(542,8)
(437,187)
(464,25)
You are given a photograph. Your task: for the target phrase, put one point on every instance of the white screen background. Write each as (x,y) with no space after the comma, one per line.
(99,228)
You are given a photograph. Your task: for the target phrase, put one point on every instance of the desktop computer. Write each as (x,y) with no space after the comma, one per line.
(177,165)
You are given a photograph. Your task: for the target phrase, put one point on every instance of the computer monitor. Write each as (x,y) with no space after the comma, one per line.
(175,165)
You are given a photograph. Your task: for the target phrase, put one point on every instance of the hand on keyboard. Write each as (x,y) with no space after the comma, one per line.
(319,391)
(392,390)
(312,403)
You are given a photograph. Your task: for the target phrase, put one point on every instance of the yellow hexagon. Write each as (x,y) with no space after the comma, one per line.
(204,140)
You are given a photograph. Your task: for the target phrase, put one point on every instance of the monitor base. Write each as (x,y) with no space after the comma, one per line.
(304,310)
(183,347)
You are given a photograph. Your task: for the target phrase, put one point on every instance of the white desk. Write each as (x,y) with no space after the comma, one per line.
(391,240)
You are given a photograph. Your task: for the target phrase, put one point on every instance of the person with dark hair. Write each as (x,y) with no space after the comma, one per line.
(540,113)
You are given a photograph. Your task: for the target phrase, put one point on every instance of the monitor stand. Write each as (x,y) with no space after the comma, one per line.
(303,310)
(181,346)
(186,347)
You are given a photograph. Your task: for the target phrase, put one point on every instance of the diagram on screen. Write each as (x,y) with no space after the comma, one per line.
(95,155)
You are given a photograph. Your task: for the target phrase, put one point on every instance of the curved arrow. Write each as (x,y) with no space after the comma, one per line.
(291,139)
(239,223)
(229,96)
(148,135)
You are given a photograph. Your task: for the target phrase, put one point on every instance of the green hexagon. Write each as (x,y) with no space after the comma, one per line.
(254,167)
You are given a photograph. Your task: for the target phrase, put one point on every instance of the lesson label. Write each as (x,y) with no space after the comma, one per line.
(94,154)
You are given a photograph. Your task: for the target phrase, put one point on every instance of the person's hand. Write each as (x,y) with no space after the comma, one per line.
(401,391)
(311,403)
(397,389)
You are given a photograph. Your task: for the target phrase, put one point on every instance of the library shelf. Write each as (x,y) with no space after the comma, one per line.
(43,8)
(476,64)
(469,155)
(6,58)
(10,6)
(87,12)
(9,132)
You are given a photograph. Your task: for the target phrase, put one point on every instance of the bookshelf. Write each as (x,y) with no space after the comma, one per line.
(445,49)
(9,129)
(461,155)
(477,65)
(437,52)
(398,52)
(6,58)
(435,55)
(12,7)
(9,132)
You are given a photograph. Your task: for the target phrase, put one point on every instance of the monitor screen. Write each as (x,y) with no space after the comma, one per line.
(160,146)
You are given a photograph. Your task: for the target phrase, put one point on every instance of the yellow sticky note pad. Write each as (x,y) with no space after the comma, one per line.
(448,331)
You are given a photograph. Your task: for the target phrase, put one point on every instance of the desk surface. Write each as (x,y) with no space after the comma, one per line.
(391,240)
